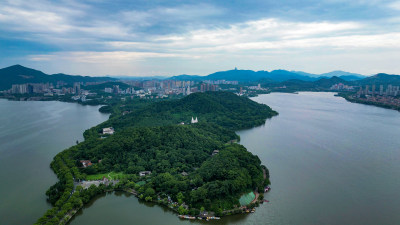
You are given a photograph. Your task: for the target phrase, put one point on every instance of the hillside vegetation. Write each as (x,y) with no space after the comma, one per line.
(223,108)
(180,157)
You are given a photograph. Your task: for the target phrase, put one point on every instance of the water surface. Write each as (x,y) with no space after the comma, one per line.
(31,134)
(331,161)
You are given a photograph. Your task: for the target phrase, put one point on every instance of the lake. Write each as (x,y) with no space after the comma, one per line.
(331,162)
(31,134)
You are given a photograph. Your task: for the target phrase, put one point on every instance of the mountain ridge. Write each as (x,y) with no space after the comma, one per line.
(18,74)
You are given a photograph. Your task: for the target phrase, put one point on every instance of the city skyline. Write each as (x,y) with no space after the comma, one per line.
(141,38)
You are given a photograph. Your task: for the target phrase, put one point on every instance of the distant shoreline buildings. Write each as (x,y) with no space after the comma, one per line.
(142,89)
(340,86)
(371,90)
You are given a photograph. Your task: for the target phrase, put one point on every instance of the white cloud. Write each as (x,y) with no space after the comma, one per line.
(127,36)
(262,39)
(163,14)
(394,5)
(48,22)
(101,57)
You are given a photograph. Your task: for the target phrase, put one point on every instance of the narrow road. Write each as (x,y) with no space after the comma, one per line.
(256,198)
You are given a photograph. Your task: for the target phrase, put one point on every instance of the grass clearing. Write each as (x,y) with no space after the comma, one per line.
(246,198)
(111,175)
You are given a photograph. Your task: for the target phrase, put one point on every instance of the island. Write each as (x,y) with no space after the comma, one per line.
(181,153)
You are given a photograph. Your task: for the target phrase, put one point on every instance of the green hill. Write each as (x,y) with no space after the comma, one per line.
(328,82)
(18,74)
(380,79)
(183,160)
(251,76)
(223,108)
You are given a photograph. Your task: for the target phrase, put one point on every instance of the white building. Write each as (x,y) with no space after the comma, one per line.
(144,173)
(108,130)
(194,120)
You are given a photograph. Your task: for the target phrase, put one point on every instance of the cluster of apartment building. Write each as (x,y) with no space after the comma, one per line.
(162,88)
(386,96)
(232,82)
(142,89)
(43,88)
(341,87)
(390,90)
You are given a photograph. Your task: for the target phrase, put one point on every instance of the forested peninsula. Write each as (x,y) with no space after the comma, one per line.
(189,167)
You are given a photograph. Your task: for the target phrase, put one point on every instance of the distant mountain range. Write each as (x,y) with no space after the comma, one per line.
(18,74)
(273,76)
(378,79)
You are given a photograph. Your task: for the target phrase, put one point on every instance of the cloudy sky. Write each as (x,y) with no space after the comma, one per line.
(151,37)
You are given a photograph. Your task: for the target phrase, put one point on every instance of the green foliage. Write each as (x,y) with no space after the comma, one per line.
(223,108)
(113,175)
(182,210)
(102,86)
(227,175)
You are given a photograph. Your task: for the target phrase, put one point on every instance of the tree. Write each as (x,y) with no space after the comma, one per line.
(182,210)
(150,192)
(180,198)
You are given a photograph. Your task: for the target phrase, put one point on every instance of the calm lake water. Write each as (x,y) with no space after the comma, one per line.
(31,134)
(331,162)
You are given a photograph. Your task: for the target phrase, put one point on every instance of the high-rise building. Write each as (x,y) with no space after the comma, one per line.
(115,89)
(202,87)
(30,89)
(19,88)
(188,90)
(77,88)
(389,90)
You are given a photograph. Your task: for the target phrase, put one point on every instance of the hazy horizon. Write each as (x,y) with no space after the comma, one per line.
(182,74)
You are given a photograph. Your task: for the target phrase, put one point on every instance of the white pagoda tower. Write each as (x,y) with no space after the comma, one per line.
(194,120)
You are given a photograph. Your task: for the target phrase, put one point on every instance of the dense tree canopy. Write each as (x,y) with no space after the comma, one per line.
(223,108)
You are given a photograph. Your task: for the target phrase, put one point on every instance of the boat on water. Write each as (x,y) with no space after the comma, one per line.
(265,200)
(214,218)
(187,217)
(199,218)
(267,188)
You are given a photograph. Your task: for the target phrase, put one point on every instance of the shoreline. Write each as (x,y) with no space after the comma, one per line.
(366,102)
(235,211)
